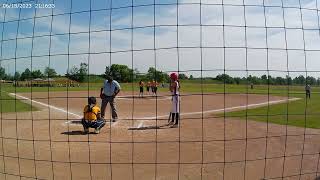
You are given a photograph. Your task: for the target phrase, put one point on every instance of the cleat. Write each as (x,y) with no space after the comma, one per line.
(174,126)
(170,123)
(97,131)
(86,130)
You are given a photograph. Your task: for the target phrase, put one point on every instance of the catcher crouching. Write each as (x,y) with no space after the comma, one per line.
(92,116)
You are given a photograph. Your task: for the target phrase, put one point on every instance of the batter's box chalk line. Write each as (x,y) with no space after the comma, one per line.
(142,119)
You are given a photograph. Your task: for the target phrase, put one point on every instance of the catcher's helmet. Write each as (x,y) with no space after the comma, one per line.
(92,100)
(174,76)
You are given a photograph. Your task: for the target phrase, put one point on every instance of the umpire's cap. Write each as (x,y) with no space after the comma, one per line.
(92,100)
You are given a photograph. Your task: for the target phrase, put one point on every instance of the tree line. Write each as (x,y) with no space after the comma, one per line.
(120,72)
(27,74)
(123,73)
(264,79)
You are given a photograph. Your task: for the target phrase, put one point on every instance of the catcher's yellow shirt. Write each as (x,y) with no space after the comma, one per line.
(91,115)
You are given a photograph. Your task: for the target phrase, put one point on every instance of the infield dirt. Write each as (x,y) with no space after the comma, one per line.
(45,144)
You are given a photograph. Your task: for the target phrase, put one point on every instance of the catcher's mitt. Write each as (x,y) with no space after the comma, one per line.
(102,95)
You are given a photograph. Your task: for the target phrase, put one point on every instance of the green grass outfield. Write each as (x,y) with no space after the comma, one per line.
(300,113)
(10,104)
(186,87)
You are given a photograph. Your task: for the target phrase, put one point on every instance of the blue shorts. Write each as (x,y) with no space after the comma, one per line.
(93,124)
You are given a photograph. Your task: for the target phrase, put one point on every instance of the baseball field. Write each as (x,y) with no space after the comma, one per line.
(226,132)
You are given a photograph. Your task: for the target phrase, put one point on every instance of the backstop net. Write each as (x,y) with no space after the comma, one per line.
(244,105)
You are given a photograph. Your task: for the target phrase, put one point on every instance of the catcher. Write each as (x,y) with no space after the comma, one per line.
(92,116)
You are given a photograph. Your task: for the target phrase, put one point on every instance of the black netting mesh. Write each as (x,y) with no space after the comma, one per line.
(248,71)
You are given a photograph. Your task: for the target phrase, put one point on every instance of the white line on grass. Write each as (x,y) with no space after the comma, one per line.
(70,122)
(225,109)
(46,105)
(163,116)
(218,110)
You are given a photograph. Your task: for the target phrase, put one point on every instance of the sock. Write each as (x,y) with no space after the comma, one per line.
(172,117)
(177,118)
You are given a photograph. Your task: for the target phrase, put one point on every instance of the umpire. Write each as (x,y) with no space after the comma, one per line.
(108,93)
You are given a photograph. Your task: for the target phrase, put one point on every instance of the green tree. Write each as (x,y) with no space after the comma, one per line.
(271,80)
(26,75)
(311,80)
(225,78)
(83,72)
(78,74)
(2,73)
(156,75)
(8,77)
(50,72)
(16,76)
(280,81)
(183,76)
(237,80)
(264,79)
(289,80)
(36,74)
(253,79)
(299,80)
(120,72)
(73,73)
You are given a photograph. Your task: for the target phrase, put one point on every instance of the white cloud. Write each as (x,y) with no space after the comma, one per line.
(213,36)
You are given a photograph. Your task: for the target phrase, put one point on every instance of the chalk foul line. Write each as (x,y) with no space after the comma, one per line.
(45,105)
(248,106)
(226,109)
(70,122)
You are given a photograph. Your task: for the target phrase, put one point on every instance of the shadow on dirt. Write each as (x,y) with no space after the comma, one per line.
(144,128)
(71,133)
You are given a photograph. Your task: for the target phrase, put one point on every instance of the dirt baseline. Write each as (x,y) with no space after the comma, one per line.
(42,145)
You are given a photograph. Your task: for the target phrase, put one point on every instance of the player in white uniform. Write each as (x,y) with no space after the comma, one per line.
(175,109)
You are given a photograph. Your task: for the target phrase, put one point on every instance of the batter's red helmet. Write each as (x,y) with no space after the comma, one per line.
(174,76)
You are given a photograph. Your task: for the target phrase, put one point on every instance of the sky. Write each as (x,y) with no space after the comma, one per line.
(255,39)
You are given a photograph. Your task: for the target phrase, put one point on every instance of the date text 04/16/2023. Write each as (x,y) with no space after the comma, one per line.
(27,5)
